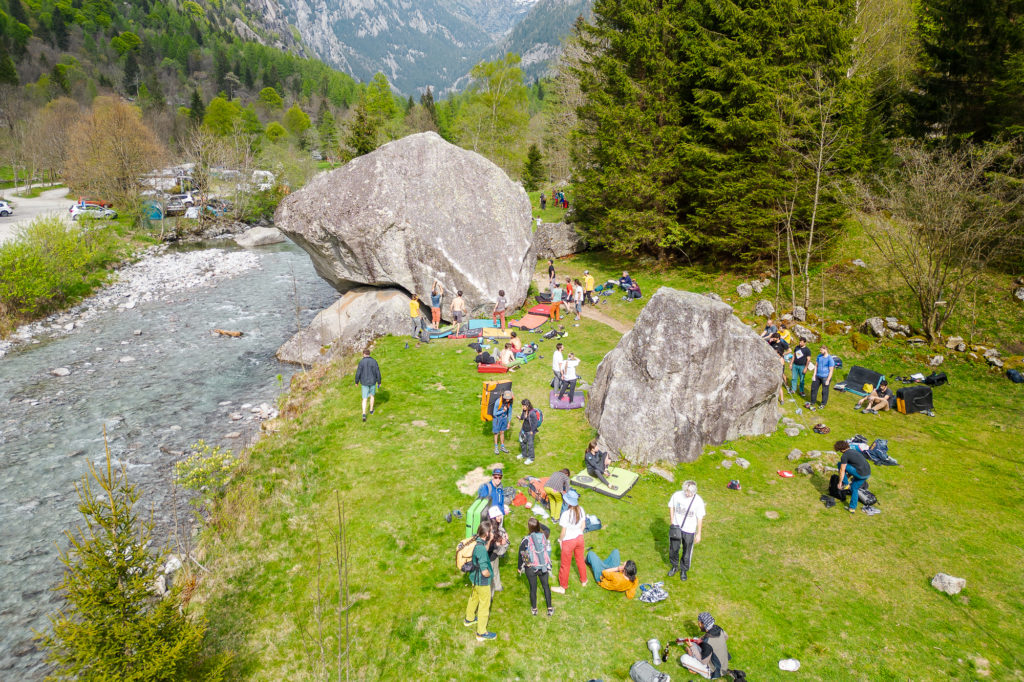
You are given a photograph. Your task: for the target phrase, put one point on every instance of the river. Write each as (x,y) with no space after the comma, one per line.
(147,367)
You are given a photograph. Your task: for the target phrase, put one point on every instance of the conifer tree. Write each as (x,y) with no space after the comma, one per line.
(197,110)
(533,169)
(59,29)
(131,73)
(362,130)
(8,74)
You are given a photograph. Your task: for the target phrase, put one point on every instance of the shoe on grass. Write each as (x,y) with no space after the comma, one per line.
(364,417)
(551,610)
(528,462)
(504,449)
(468,623)
(533,612)
(672,571)
(682,576)
(558,589)
(486,636)
(519,456)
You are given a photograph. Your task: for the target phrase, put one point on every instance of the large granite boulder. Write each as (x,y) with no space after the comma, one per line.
(349,325)
(557,240)
(414,210)
(688,374)
(259,236)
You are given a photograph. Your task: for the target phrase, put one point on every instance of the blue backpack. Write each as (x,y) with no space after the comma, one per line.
(539,416)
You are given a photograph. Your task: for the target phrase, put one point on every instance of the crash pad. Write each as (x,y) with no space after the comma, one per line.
(856,379)
(480,324)
(529,322)
(496,333)
(578,400)
(622,479)
(492,390)
(440,333)
(491,369)
(542,309)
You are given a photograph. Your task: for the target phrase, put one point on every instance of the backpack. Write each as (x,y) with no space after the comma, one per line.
(866,497)
(535,557)
(539,416)
(1015,376)
(652,593)
(643,671)
(821,428)
(934,379)
(464,555)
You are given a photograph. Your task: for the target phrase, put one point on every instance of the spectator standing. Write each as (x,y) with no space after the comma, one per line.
(569,377)
(551,273)
(499,425)
(801,354)
(535,562)
(557,366)
(528,432)
(493,489)
(478,609)
(369,379)
(497,547)
(414,313)
(686,518)
(543,201)
(588,286)
(556,301)
(825,365)
(577,296)
(573,523)
(499,309)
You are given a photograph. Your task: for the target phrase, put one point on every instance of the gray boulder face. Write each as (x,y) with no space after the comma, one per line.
(744,290)
(874,326)
(800,314)
(1019,294)
(414,210)
(260,236)
(805,332)
(349,325)
(557,240)
(764,308)
(688,374)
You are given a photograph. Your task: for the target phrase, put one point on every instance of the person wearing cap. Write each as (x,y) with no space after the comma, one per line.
(499,425)
(711,649)
(879,400)
(686,516)
(573,522)
(497,546)
(493,489)
(588,286)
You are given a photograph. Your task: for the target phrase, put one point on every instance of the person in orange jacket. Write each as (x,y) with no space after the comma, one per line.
(611,575)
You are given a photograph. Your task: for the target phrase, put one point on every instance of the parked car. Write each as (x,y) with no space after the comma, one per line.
(185,199)
(92,211)
(6,209)
(174,207)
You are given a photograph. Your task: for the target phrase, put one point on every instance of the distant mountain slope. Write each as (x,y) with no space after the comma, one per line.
(538,37)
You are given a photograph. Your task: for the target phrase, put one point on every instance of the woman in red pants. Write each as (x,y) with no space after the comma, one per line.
(573,521)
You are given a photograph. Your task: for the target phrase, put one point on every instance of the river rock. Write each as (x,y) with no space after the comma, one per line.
(745,290)
(936,361)
(874,326)
(349,325)
(806,468)
(702,375)
(415,210)
(948,584)
(260,236)
(556,240)
(792,431)
(60,371)
(764,308)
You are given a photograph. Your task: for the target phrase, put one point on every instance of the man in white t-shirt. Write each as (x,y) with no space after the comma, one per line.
(557,366)
(686,516)
(569,377)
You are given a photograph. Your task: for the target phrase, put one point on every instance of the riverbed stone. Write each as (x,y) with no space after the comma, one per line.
(60,371)
(557,240)
(412,211)
(703,376)
(794,454)
(350,324)
(260,236)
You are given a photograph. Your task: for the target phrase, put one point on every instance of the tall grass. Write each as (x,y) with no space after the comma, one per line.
(50,264)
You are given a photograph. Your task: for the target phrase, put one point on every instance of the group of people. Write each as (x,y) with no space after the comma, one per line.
(572,296)
(557,196)
(512,355)
(564,369)
(457,308)
(797,364)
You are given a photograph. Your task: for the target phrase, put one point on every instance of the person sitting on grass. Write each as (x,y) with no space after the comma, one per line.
(712,649)
(517,343)
(485,358)
(507,356)
(612,575)
(625,282)
(769,328)
(879,400)
(535,562)
(597,462)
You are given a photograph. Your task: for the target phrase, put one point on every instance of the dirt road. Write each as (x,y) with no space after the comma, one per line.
(50,202)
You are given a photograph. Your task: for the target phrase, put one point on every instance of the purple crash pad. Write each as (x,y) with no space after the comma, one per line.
(564,404)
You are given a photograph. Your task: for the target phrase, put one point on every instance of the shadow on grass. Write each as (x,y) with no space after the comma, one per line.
(659,533)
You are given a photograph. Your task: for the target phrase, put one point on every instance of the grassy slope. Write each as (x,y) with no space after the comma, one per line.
(848,596)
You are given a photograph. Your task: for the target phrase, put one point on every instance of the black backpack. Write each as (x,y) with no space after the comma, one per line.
(934,379)
(1015,376)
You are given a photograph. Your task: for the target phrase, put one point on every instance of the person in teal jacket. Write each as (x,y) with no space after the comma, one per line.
(478,609)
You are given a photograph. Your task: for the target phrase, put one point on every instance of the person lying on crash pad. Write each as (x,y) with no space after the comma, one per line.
(612,575)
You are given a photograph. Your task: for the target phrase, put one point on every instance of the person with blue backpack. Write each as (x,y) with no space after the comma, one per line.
(493,489)
(532,420)
(535,562)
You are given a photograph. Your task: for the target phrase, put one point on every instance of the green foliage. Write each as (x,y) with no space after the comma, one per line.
(125,42)
(8,74)
(362,131)
(969,80)
(275,131)
(328,134)
(197,110)
(494,116)
(269,98)
(221,115)
(49,264)
(533,169)
(207,470)
(296,121)
(679,144)
(112,626)
(131,73)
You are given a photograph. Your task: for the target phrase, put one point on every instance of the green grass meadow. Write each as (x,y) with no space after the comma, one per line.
(847,595)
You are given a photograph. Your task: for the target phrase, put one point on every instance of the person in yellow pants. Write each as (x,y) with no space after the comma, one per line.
(479,607)
(558,485)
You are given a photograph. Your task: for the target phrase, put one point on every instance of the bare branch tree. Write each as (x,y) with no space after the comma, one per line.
(941,218)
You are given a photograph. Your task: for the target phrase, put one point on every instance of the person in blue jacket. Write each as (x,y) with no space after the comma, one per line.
(494,490)
(502,412)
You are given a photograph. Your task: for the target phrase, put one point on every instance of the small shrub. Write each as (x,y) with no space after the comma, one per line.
(860,343)
(51,263)
(207,470)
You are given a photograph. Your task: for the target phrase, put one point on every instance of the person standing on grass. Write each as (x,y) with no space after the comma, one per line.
(497,547)
(551,272)
(569,377)
(528,432)
(854,471)
(557,487)
(588,286)
(535,562)
(436,294)
(543,201)
(801,354)
(414,313)
(499,425)
(825,366)
(458,311)
(557,366)
(368,378)
(499,309)
(493,489)
(570,541)
(686,518)
(479,607)
(577,297)
(556,301)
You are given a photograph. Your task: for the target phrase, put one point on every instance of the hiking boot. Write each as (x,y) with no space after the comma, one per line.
(495,449)
(503,449)
(371,410)
(468,623)
(364,416)
(486,636)
(551,610)
(672,571)
(558,589)
(682,575)
(851,510)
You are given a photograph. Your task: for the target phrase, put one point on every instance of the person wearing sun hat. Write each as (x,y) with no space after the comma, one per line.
(570,541)
(711,649)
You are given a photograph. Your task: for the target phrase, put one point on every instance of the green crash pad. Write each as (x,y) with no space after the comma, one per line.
(624,480)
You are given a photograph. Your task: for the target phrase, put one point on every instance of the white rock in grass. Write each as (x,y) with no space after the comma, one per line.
(948,584)
(794,454)
(792,431)
(745,290)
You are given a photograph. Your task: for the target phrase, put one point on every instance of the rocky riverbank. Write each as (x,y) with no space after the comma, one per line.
(158,275)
